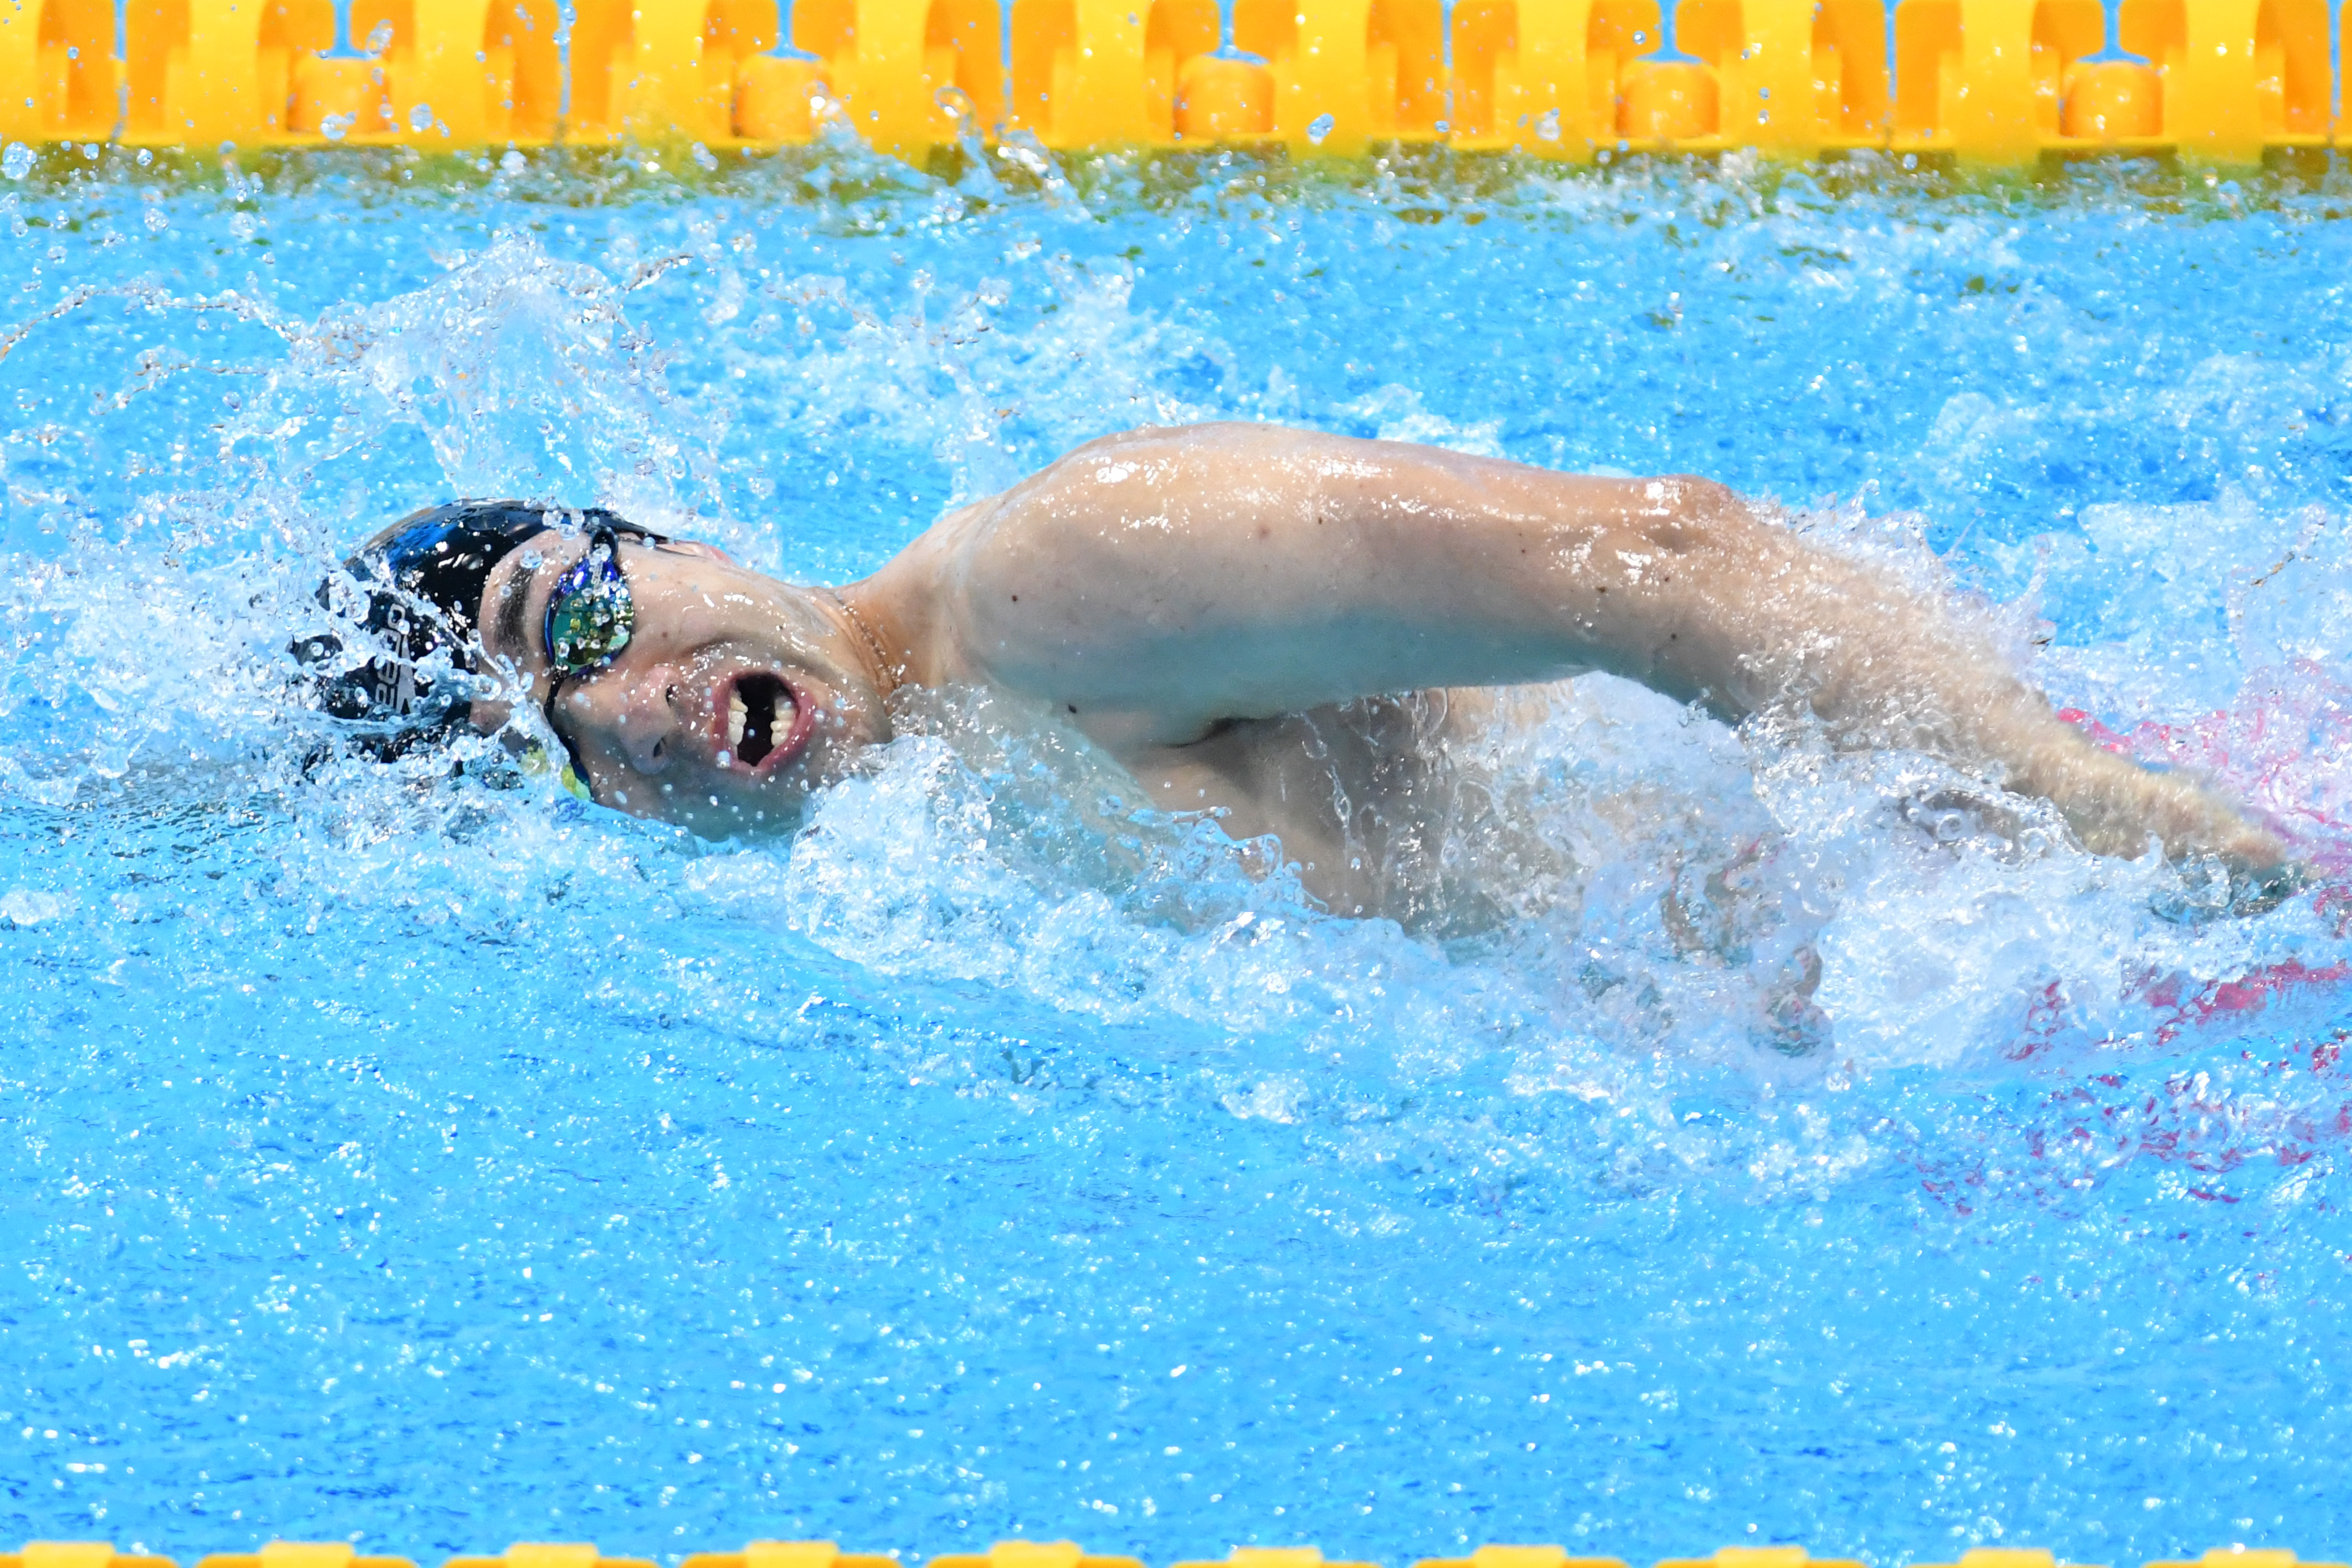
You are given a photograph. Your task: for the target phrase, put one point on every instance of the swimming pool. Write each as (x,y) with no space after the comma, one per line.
(451,1164)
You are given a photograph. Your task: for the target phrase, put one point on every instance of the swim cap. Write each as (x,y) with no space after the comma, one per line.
(424,578)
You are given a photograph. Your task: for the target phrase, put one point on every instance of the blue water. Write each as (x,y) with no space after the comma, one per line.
(443,1164)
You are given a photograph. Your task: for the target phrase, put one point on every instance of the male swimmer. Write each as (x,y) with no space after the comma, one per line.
(1182,597)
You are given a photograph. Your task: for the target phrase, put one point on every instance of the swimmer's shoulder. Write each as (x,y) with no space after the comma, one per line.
(957,534)
(1019,561)
(1211,441)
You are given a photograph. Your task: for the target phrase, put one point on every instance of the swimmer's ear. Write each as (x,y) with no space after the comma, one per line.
(696,548)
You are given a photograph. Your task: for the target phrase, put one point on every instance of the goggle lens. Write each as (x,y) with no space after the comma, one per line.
(590,613)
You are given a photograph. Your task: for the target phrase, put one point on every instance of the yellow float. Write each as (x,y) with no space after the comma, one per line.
(1990,82)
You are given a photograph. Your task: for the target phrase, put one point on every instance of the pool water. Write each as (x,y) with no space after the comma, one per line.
(441,1163)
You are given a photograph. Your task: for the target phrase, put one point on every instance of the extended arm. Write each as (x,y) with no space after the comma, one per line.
(1159,582)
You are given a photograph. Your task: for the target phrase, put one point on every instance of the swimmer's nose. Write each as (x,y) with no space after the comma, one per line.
(637,715)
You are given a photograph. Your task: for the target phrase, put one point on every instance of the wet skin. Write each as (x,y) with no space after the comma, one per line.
(652,727)
(1179,593)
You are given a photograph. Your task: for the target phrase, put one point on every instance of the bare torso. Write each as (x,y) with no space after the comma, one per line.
(1361,795)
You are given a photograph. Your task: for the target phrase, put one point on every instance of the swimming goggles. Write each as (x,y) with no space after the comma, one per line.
(589,613)
(590,617)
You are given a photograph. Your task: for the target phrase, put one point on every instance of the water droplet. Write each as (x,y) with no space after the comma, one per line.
(18,162)
(1318,128)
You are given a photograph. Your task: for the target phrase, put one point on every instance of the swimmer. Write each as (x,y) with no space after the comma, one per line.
(1182,597)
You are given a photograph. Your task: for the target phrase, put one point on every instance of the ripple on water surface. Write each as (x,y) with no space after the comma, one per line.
(443,1160)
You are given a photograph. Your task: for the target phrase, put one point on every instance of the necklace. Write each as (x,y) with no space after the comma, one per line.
(883,668)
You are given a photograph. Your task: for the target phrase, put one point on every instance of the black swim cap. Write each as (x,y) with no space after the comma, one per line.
(424,578)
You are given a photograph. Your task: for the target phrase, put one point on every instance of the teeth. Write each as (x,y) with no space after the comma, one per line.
(736,714)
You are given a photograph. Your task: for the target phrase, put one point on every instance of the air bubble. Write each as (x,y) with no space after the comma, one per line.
(1318,128)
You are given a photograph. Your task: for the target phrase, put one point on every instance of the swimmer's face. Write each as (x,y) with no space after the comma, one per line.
(736,696)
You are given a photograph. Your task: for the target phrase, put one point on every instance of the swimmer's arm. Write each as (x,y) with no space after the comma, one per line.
(1157,584)
(1164,580)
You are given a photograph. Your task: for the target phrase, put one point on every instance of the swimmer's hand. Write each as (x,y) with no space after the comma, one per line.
(2209,890)
(2115,806)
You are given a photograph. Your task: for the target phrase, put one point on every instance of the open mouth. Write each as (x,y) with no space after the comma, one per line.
(760,718)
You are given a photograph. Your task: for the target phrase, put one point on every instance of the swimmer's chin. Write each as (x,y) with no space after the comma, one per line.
(734,802)
(775,826)
(748,822)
